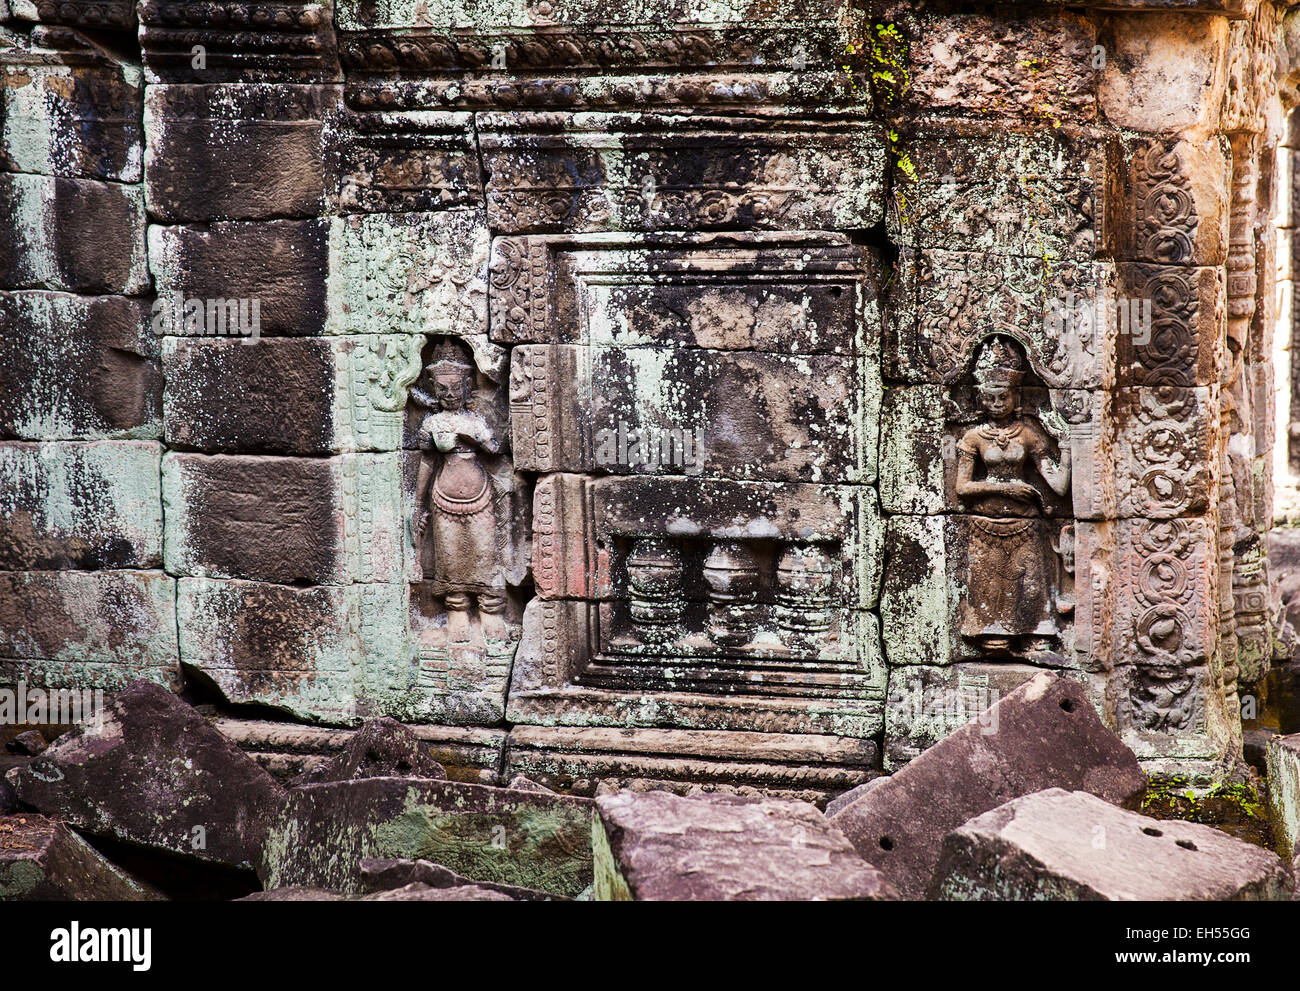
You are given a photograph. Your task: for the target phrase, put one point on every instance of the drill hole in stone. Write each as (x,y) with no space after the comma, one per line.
(1067,705)
(1186,844)
(886,843)
(1152,831)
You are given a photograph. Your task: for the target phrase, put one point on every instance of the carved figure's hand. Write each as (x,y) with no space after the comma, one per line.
(1021,490)
(421,522)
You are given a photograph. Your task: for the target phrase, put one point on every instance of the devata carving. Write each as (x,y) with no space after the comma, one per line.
(461,475)
(1010,609)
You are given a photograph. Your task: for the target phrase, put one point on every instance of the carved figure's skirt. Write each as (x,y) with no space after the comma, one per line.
(1009,586)
(463,529)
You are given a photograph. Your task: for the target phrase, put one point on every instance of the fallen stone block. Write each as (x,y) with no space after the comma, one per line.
(1045,734)
(382,748)
(1283,759)
(155,773)
(43,860)
(31,743)
(1059,845)
(425,893)
(656,846)
(387,874)
(489,834)
(521,783)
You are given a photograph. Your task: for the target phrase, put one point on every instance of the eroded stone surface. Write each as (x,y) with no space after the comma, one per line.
(1044,734)
(655,846)
(1059,845)
(42,860)
(491,834)
(154,773)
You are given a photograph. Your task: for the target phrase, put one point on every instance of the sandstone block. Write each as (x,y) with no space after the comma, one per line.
(234,152)
(1060,845)
(77,235)
(43,860)
(279,263)
(1045,734)
(76,121)
(655,846)
(80,505)
(285,520)
(78,368)
(489,834)
(90,629)
(158,775)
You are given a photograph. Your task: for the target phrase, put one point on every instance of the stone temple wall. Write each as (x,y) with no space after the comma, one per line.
(739,394)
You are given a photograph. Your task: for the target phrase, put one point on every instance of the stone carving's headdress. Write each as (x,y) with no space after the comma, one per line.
(450,355)
(999,364)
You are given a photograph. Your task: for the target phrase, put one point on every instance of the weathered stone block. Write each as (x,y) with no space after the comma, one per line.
(113,15)
(280,264)
(330,653)
(77,121)
(399,162)
(1284,793)
(943,304)
(424,273)
(565,173)
(156,774)
(79,235)
(1023,193)
(1048,735)
(288,520)
(236,152)
(285,393)
(78,368)
(91,629)
(654,846)
(578,760)
(42,860)
(1059,845)
(1166,630)
(1040,67)
(296,44)
(80,505)
(490,834)
(1163,444)
(1162,73)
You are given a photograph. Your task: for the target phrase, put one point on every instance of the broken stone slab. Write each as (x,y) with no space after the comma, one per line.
(31,743)
(490,834)
(43,860)
(521,783)
(1045,734)
(155,773)
(387,874)
(1063,845)
(426,893)
(382,748)
(1283,757)
(656,846)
